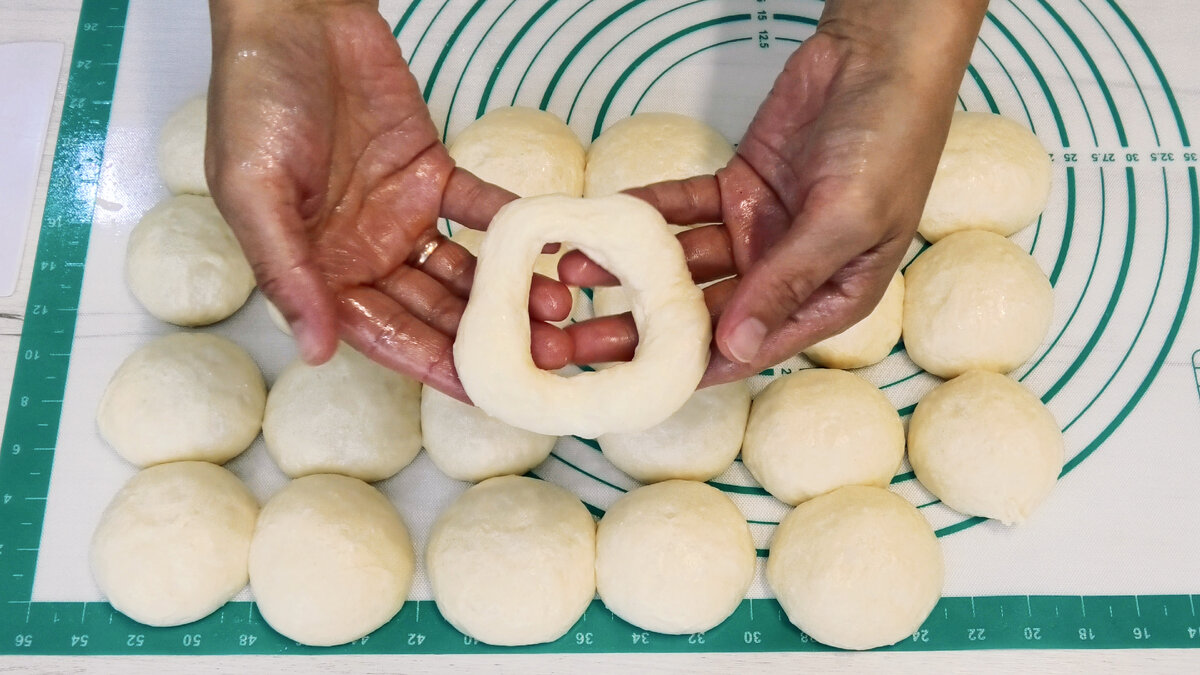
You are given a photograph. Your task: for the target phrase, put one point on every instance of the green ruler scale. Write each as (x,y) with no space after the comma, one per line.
(31,431)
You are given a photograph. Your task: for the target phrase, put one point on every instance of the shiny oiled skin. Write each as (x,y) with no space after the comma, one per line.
(324,160)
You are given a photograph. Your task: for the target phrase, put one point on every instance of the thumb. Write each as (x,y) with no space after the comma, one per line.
(273,238)
(773,292)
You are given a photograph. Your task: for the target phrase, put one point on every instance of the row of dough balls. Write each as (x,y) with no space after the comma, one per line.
(328,557)
(513,561)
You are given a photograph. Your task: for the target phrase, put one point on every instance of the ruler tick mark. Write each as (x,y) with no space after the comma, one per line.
(83,616)
(972,607)
(1028,606)
(1137,605)
(1192,604)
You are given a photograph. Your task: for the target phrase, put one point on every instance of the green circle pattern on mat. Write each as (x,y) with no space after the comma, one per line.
(1122,278)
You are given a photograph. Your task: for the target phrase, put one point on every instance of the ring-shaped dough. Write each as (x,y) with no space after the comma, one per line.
(630,239)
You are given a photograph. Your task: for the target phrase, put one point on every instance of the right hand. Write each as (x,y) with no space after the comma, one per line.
(323,158)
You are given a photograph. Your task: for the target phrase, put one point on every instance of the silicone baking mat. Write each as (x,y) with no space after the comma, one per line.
(1109,561)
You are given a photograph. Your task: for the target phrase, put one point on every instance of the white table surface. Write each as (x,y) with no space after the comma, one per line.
(56,20)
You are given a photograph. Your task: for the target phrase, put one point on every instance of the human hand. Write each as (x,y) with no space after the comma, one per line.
(824,194)
(323,159)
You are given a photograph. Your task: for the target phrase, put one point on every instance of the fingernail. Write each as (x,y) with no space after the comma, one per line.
(306,340)
(746,340)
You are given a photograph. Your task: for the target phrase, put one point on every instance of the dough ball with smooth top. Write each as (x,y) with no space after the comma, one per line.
(817,430)
(331,560)
(674,557)
(698,442)
(985,446)
(857,568)
(184,396)
(526,151)
(181,148)
(173,544)
(870,340)
(652,147)
(512,561)
(975,301)
(993,175)
(349,416)
(184,265)
(468,444)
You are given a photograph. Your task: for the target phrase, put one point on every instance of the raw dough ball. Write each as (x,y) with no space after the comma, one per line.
(349,416)
(857,568)
(870,340)
(674,557)
(994,175)
(181,148)
(173,544)
(698,442)
(975,300)
(468,444)
(985,446)
(331,560)
(526,151)
(184,264)
(652,147)
(816,430)
(184,396)
(511,561)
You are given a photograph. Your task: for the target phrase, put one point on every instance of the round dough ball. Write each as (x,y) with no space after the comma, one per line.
(698,442)
(511,561)
(975,301)
(993,175)
(349,416)
(870,340)
(181,148)
(857,568)
(184,396)
(173,544)
(674,557)
(652,147)
(468,444)
(526,151)
(331,560)
(184,264)
(817,430)
(985,446)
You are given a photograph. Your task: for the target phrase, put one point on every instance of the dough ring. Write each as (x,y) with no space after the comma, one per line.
(628,238)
